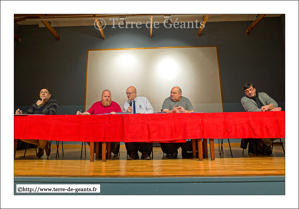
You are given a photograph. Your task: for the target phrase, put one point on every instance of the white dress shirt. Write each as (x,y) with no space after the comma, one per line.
(142,105)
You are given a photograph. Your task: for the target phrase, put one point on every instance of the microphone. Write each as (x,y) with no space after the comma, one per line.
(130,103)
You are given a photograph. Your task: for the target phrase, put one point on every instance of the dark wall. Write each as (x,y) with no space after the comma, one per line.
(41,60)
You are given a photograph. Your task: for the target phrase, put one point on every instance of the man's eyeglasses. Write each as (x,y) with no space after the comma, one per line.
(130,93)
(44,92)
(248,90)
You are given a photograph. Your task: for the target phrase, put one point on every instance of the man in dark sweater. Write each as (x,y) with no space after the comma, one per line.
(254,101)
(43,106)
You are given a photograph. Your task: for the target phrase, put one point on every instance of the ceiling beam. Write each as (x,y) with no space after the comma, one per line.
(100,28)
(19,19)
(254,23)
(151,29)
(40,16)
(202,24)
(24,17)
(45,22)
(17,38)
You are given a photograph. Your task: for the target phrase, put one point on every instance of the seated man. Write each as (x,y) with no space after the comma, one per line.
(176,103)
(257,102)
(42,106)
(106,105)
(135,105)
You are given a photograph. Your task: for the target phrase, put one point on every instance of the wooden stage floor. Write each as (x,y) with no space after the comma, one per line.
(71,165)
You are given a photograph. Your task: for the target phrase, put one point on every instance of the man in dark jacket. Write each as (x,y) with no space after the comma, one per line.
(43,106)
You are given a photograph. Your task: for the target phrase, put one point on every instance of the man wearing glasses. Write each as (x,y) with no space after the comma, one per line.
(43,106)
(254,101)
(257,102)
(136,104)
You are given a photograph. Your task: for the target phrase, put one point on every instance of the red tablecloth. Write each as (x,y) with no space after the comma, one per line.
(150,127)
(85,128)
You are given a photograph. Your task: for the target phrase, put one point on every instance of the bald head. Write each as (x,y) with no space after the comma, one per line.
(176,88)
(131,88)
(106,90)
(175,94)
(131,92)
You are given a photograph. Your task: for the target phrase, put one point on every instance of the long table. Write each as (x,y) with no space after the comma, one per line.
(157,127)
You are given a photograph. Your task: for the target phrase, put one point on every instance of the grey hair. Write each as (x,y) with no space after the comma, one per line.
(180,90)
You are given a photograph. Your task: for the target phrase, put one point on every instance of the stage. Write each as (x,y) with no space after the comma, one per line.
(248,174)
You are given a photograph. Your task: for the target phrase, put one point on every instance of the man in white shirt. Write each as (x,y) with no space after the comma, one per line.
(136,105)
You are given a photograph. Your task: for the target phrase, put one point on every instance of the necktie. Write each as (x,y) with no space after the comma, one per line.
(134,110)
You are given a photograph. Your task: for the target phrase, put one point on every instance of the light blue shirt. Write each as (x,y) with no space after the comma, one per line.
(142,105)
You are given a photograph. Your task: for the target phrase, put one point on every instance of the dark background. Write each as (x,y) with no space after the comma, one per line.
(42,61)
